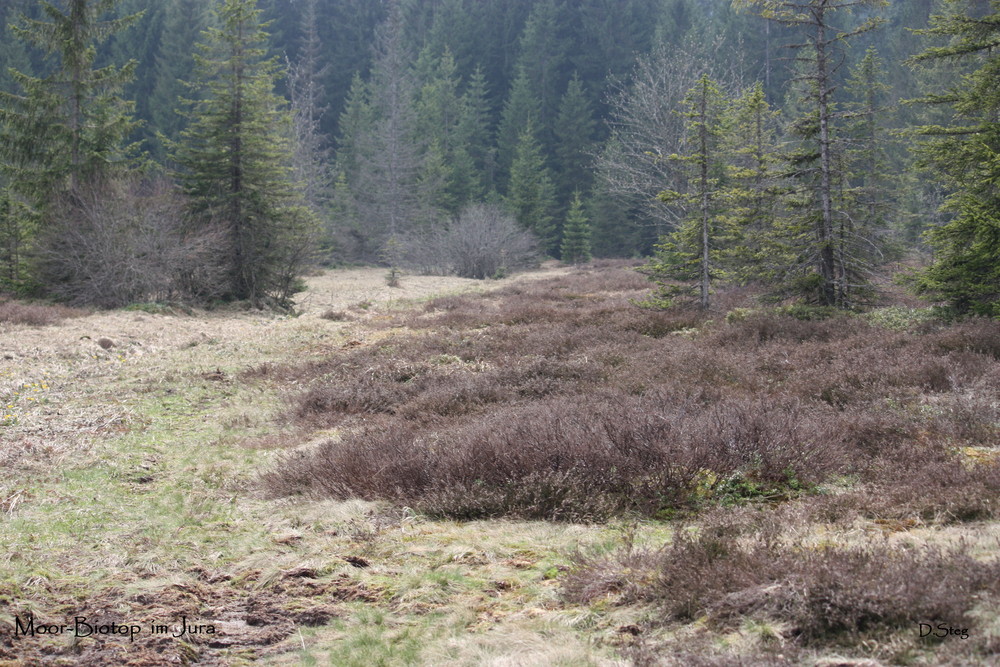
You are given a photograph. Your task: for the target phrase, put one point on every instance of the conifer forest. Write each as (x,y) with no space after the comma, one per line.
(500,332)
(799,145)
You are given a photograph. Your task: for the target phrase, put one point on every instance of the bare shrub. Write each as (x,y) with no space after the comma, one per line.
(927,485)
(980,335)
(731,571)
(482,242)
(761,328)
(12,312)
(119,242)
(337,316)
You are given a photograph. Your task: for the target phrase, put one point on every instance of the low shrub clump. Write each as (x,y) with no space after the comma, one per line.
(12,312)
(574,459)
(561,399)
(734,572)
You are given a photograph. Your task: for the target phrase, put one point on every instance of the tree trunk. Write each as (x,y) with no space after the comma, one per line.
(827,259)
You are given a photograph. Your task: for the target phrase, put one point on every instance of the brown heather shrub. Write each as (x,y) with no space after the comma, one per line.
(980,335)
(338,316)
(574,458)
(758,329)
(735,570)
(934,487)
(759,408)
(424,389)
(12,312)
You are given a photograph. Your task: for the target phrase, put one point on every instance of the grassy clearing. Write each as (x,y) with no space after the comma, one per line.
(258,474)
(148,510)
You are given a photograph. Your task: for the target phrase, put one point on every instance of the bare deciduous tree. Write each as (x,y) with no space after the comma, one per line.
(646,129)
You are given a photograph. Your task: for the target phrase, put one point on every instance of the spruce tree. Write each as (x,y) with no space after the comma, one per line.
(575,247)
(16,231)
(71,125)
(13,54)
(475,132)
(61,132)
(439,123)
(543,59)
(966,268)
(305,88)
(531,196)
(522,109)
(817,164)
(758,247)
(173,64)
(389,150)
(574,131)
(236,161)
(689,252)
(355,121)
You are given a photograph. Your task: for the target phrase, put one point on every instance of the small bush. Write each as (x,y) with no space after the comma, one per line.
(483,242)
(901,318)
(337,316)
(122,242)
(12,312)
(980,335)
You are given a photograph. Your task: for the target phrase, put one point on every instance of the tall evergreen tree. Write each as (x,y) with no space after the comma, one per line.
(966,268)
(173,64)
(817,163)
(759,247)
(355,121)
(311,151)
(439,122)
(574,131)
(390,157)
(690,252)
(63,130)
(236,161)
(871,191)
(13,53)
(16,230)
(531,196)
(476,132)
(140,42)
(544,60)
(70,125)
(522,109)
